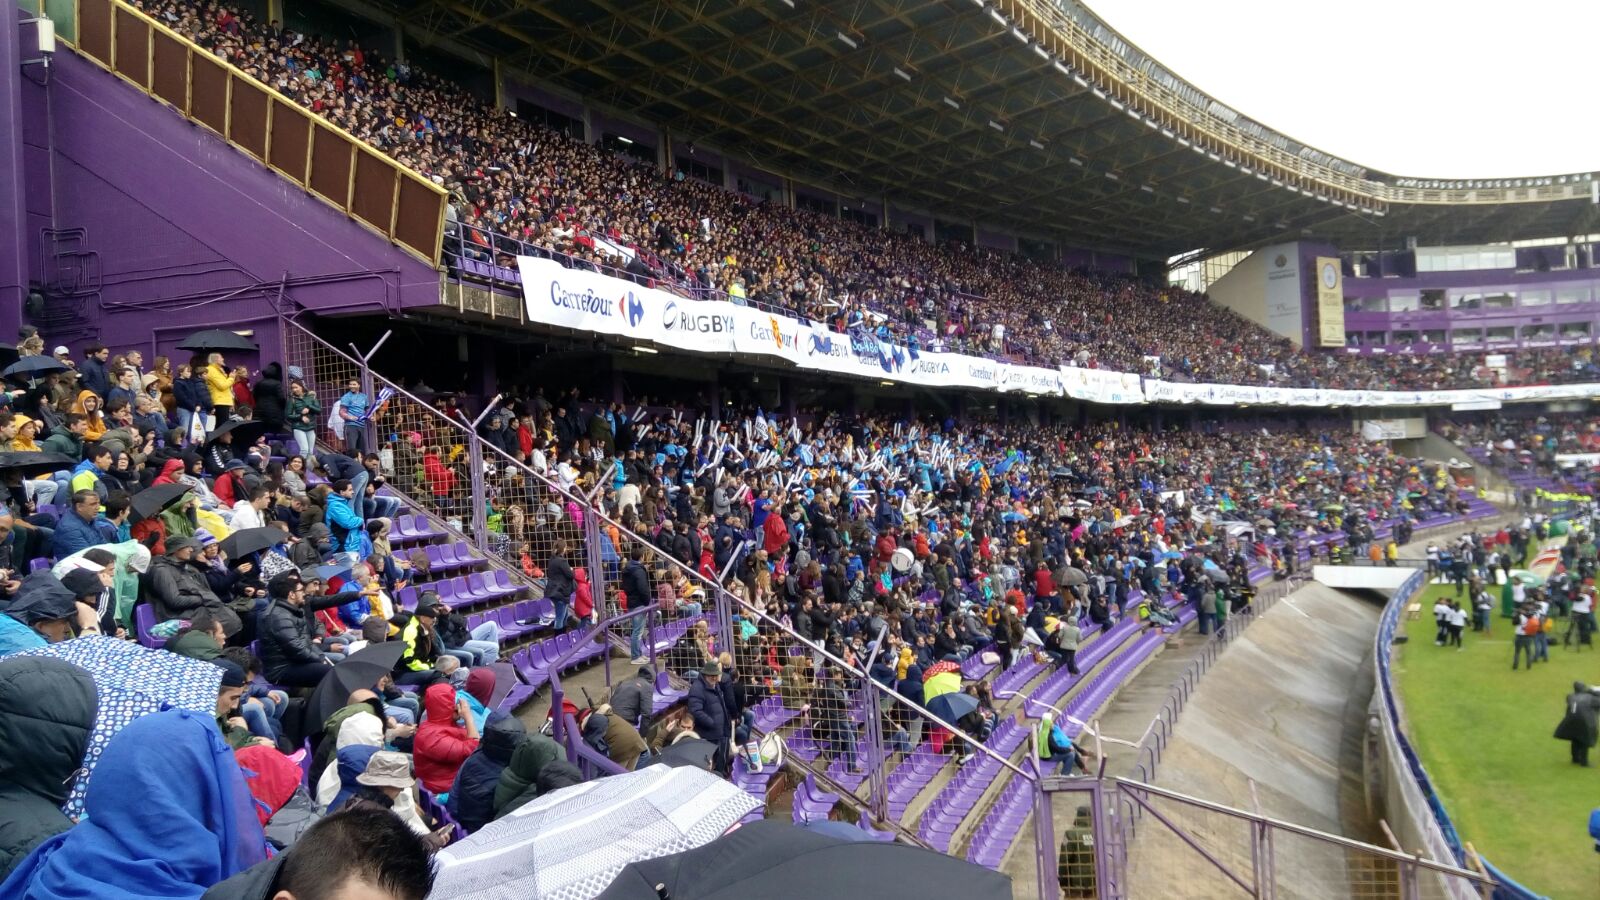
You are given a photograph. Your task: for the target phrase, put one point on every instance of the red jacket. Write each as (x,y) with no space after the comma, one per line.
(583,597)
(775,535)
(886,546)
(441,480)
(440,745)
(1043,584)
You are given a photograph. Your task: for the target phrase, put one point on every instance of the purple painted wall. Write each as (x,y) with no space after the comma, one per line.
(186,231)
(14,269)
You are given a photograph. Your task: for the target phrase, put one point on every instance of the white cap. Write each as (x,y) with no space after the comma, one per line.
(62,351)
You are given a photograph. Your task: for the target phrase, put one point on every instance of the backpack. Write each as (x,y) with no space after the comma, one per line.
(1530,626)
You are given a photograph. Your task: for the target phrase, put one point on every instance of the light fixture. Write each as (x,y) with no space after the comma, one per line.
(1079,79)
(995,15)
(1113,176)
(951,103)
(1017,33)
(625,140)
(904,75)
(846,40)
(1035,145)
(1043,53)
(1147,189)
(996,125)
(886,384)
(651,350)
(1061,67)
(1074,160)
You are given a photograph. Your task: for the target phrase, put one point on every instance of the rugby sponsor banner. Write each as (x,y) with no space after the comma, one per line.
(601,304)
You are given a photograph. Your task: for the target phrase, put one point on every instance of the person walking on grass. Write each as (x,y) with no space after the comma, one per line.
(1524,624)
(1581,725)
(1455,622)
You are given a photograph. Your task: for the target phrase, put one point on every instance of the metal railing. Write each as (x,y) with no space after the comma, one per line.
(373,189)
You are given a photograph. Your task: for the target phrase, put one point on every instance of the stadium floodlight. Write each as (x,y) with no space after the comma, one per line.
(1249,218)
(788,3)
(1113,176)
(902,73)
(625,140)
(1043,53)
(1115,103)
(951,103)
(846,40)
(995,15)
(1183,200)
(1061,67)
(1075,161)
(642,349)
(1217,210)
(1098,93)
(996,125)
(1035,145)
(1017,33)
(1079,79)
(1147,189)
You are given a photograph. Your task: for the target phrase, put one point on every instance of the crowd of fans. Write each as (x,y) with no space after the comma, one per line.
(518,187)
(1533,445)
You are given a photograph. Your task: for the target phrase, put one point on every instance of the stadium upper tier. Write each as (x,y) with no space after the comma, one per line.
(1030,115)
(519,188)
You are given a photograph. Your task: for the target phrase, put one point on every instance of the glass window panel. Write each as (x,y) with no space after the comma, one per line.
(1405,337)
(1434,336)
(1502,333)
(1535,298)
(1499,300)
(1403,303)
(1572,295)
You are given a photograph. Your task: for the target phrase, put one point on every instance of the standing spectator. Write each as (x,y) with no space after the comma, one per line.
(636,589)
(710,713)
(92,372)
(353,410)
(1581,724)
(219,385)
(302,412)
(191,401)
(270,405)
(560,584)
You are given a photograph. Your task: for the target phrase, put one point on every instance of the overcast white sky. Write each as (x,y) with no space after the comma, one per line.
(1410,87)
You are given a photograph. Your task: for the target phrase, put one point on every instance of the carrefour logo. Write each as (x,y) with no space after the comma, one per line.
(631,309)
(771,331)
(582,301)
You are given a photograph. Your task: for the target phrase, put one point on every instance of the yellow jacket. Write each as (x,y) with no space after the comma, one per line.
(220,384)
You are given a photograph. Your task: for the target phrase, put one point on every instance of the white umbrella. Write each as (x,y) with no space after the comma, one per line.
(571,843)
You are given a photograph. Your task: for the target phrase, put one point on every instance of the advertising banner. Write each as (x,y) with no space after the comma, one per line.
(1330,303)
(588,302)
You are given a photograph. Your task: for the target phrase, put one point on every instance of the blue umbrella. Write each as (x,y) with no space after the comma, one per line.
(1172,554)
(953,705)
(132,681)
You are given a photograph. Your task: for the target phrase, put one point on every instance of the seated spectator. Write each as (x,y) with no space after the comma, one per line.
(472,793)
(169,843)
(441,745)
(286,631)
(519,780)
(47,708)
(178,587)
(422,650)
(44,612)
(229,721)
(359,852)
(82,526)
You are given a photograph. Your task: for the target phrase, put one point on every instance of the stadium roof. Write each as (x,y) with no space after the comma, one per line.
(1013,113)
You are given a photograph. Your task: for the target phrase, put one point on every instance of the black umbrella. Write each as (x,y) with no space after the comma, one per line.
(244,433)
(152,500)
(357,672)
(34,367)
(217,339)
(692,753)
(769,860)
(34,462)
(251,540)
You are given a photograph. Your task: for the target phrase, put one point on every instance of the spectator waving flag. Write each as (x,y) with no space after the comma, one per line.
(377,407)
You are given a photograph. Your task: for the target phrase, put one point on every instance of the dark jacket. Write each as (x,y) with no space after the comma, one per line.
(191,393)
(287,633)
(710,711)
(636,585)
(179,590)
(47,707)
(269,397)
(92,375)
(632,699)
(73,534)
(472,794)
(559,581)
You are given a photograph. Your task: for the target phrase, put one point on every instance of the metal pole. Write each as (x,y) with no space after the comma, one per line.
(597,581)
(877,753)
(1044,833)
(480,493)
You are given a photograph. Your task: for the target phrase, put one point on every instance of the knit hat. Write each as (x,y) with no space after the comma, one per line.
(83,583)
(204,538)
(232,675)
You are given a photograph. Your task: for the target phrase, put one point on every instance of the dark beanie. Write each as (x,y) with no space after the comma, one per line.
(232,675)
(83,583)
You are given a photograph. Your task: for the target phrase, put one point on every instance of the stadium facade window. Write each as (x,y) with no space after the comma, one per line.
(549,118)
(859,215)
(1354,339)
(1466,336)
(761,190)
(1404,303)
(700,171)
(1571,330)
(1572,295)
(1405,337)
(1433,299)
(1435,336)
(1466,300)
(811,203)
(1546,332)
(1377,338)
(1499,299)
(616,143)
(1502,334)
(1535,298)
(1366,304)
(953,231)
(1465,259)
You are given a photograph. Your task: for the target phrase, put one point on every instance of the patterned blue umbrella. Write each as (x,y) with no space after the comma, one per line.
(132,681)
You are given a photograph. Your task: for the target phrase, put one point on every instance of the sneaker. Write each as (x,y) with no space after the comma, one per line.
(639,661)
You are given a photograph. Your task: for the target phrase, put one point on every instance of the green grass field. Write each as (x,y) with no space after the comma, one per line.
(1484,734)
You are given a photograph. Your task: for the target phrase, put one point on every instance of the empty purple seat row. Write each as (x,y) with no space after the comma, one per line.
(413,529)
(466,590)
(811,803)
(452,556)
(517,621)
